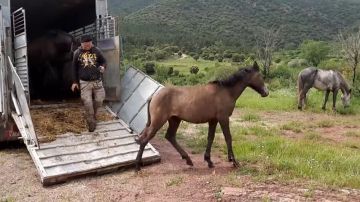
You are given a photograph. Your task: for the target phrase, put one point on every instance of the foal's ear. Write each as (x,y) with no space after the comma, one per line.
(256,66)
(350,91)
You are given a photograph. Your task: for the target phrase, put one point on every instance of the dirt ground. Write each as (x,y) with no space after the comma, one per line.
(169,180)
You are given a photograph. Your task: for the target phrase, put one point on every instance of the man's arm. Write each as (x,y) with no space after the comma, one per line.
(100,58)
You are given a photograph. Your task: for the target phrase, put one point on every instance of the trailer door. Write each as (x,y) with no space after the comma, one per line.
(20,48)
(108,41)
(2,75)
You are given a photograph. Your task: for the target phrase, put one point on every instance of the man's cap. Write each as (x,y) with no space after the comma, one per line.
(85,38)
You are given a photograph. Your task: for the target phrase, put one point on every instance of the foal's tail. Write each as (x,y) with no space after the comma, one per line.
(148,109)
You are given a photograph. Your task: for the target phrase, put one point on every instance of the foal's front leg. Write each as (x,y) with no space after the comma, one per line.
(211,135)
(226,131)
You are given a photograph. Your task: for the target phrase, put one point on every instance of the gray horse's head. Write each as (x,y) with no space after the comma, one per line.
(345,98)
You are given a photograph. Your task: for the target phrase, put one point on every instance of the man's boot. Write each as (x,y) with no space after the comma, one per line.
(91,124)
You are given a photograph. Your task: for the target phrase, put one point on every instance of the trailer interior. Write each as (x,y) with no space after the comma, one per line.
(45,15)
(48,81)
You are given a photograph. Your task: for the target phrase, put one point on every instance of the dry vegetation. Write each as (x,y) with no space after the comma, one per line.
(50,122)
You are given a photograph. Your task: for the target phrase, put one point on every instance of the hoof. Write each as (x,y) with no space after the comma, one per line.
(137,140)
(211,165)
(189,162)
(137,169)
(236,164)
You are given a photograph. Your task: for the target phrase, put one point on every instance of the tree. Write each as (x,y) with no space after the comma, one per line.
(267,41)
(351,46)
(314,51)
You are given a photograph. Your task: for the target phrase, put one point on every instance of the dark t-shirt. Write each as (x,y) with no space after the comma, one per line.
(86,64)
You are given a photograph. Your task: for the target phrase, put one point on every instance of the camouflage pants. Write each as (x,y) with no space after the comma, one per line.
(90,89)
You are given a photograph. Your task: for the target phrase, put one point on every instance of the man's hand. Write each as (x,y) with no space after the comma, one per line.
(74,87)
(102,69)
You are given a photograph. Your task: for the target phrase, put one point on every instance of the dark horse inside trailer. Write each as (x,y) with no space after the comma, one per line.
(49,45)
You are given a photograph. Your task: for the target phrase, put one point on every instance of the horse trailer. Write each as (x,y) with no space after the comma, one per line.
(112,145)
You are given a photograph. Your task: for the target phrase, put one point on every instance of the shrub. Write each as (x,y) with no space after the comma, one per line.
(297,63)
(170,70)
(211,57)
(171,49)
(228,54)
(176,72)
(238,57)
(281,72)
(194,70)
(275,84)
(160,55)
(162,73)
(196,57)
(149,68)
(205,56)
(220,58)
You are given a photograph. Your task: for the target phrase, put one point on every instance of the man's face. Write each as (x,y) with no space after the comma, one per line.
(86,45)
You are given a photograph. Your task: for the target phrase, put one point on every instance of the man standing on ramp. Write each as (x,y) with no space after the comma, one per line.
(88,66)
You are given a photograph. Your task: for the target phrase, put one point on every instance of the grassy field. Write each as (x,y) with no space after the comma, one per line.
(314,146)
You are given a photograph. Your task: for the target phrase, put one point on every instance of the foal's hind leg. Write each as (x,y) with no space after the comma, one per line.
(147,134)
(171,137)
(211,135)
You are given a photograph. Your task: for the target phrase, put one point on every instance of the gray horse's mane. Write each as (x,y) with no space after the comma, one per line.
(343,84)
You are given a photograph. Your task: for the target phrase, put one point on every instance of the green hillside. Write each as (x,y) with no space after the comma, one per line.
(198,23)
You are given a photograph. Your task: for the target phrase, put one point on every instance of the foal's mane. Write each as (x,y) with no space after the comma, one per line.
(232,79)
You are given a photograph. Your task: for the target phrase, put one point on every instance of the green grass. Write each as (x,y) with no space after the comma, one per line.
(183,65)
(294,126)
(325,123)
(251,117)
(283,158)
(286,100)
(352,134)
(283,100)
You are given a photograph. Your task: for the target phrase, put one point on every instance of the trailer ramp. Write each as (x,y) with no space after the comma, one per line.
(108,148)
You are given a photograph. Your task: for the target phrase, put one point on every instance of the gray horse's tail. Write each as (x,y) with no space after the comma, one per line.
(300,83)
(148,109)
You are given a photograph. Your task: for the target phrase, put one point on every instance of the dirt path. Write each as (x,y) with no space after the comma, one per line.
(170,180)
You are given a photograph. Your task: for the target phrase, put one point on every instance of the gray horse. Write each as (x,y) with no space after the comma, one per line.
(324,80)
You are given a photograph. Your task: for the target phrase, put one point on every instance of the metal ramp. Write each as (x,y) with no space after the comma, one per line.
(136,89)
(109,147)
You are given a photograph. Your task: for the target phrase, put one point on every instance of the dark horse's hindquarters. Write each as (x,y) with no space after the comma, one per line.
(50,58)
(213,103)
